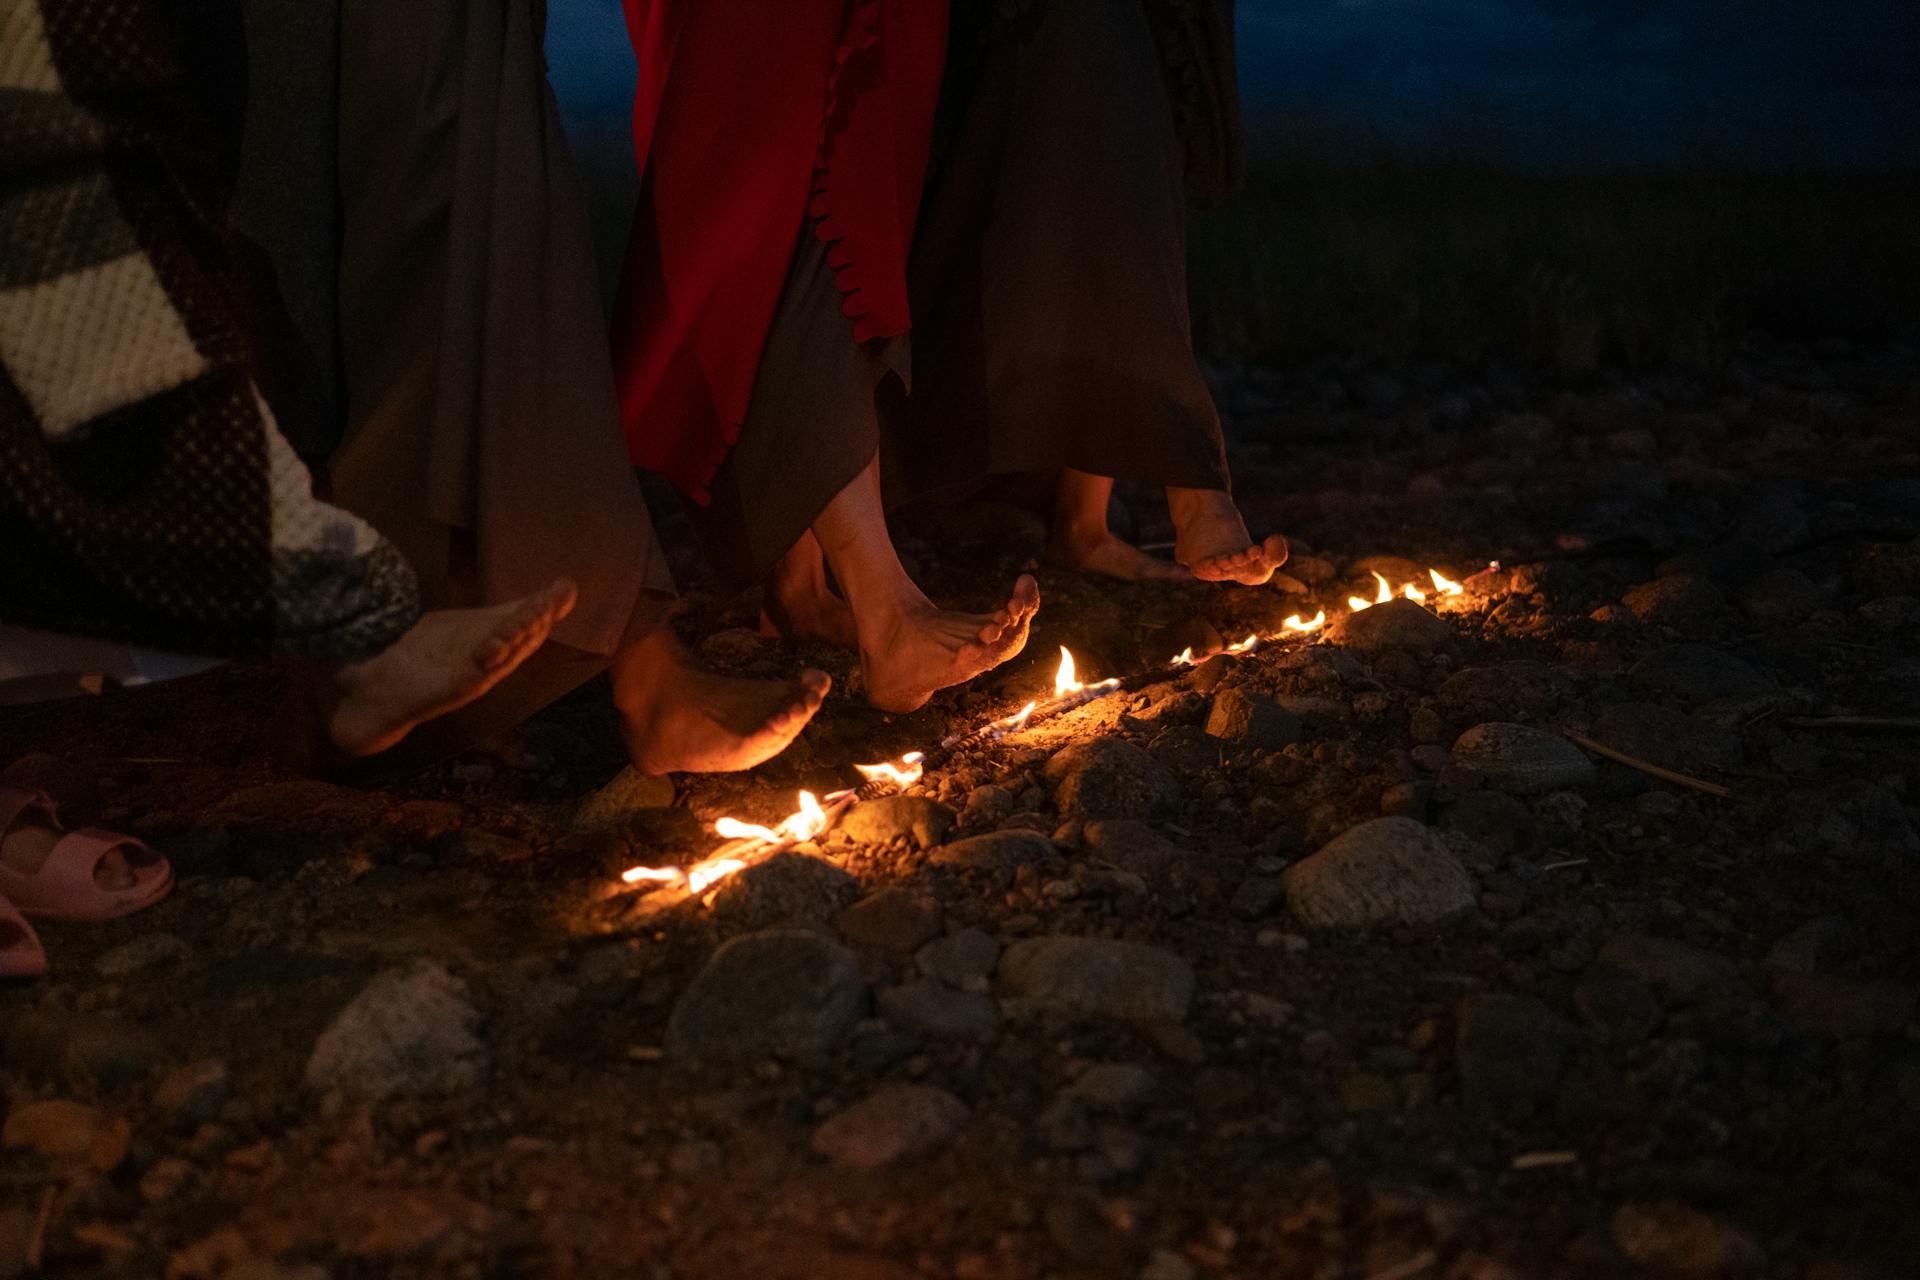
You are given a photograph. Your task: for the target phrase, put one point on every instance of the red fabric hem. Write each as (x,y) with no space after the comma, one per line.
(823,201)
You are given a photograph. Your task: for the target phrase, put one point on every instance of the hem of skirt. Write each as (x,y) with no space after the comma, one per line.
(862,37)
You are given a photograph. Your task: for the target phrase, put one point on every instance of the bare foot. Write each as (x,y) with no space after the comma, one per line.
(913,648)
(1099,551)
(678,717)
(800,602)
(1212,541)
(451,657)
(28,843)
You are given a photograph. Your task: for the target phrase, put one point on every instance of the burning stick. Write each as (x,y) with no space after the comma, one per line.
(750,843)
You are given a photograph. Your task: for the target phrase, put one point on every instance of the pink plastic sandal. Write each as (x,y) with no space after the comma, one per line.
(21,955)
(64,888)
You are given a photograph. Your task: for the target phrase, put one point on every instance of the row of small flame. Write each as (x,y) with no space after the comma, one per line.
(814,815)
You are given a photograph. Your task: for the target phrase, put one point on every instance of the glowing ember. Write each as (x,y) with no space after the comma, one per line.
(1445,586)
(902,775)
(1063,679)
(1244,645)
(1294,622)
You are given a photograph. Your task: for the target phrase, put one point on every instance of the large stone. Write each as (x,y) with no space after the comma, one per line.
(1397,624)
(938,1012)
(1682,600)
(892,1122)
(1523,760)
(1674,1239)
(788,888)
(192,1094)
(1679,970)
(1387,871)
(963,960)
(1111,778)
(409,1031)
(1511,1052)
(1096,978)
(1252,721)
(67,1134)
(925,822)
(895,918)
(1132,846)
(995,851)
(1187,749)
(1694,674)
(782,993)
(628,793)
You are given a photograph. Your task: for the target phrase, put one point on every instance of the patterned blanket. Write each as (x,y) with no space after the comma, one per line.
(146,494)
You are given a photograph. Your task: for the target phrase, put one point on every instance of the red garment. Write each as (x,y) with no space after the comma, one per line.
(752,118)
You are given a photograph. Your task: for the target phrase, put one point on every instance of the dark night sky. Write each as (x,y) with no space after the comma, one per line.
(1561,82)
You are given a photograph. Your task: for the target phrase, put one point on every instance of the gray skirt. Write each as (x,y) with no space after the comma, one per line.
(1049,295)
(453,299)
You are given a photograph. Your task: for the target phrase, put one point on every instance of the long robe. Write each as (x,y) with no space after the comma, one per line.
(482,430)
(754,118)
(1046,286)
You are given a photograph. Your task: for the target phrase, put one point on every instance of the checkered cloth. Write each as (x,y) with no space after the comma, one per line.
(146,494)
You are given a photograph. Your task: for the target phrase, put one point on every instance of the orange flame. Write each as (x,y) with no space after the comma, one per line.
(734,829)
(1244,645)
(1294,622)
(1445,586)
(650,875)
(898,776)
(1413,593)
(1357,603)
(1063,679)
(1017,721)
(712,872)
(1184,658)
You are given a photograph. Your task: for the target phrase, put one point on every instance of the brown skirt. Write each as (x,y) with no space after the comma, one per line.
(482,432)
(1049,295)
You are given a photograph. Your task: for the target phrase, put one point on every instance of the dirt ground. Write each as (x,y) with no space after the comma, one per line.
(1283,967)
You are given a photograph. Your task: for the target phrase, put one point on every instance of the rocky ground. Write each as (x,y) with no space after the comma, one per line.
(1342,960)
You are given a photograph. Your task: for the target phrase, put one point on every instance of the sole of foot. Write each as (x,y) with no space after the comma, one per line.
(1211,539)
(917,649)
(678,717)
(448,659)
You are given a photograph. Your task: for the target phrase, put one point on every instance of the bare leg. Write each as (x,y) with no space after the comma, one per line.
(676,716)
(908,647)
(448,659)
(1080,539)
(1212,540)
(800,602)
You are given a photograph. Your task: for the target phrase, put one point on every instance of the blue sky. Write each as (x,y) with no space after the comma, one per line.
(1560,82)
